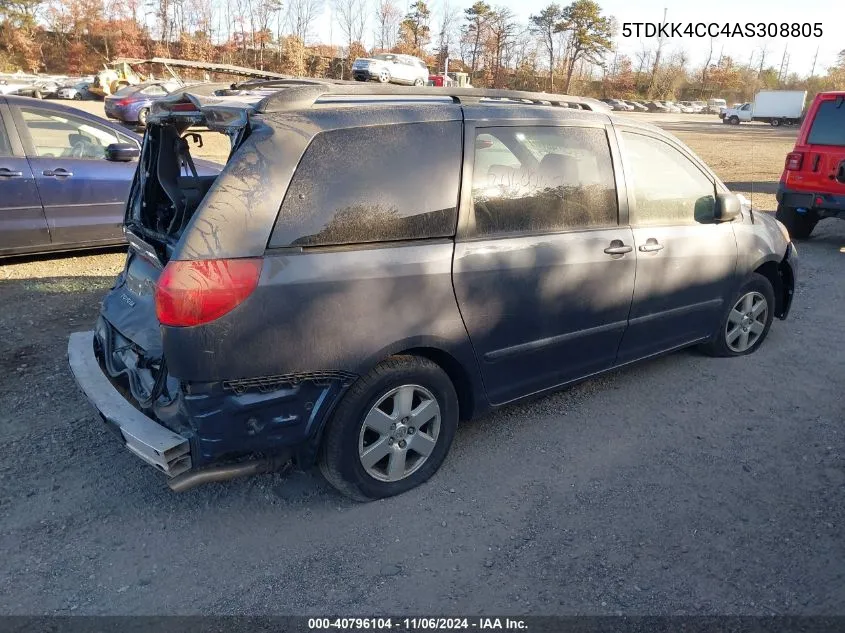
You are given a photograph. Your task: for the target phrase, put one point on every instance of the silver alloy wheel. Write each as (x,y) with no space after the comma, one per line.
(747,321)
(399,433)
(384,76)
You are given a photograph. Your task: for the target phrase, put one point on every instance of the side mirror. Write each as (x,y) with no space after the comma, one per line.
(122,152)
(728,207)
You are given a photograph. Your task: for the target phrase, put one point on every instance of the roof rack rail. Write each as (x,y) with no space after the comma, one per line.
(298,94)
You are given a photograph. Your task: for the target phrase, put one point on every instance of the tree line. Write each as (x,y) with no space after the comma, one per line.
(563,48)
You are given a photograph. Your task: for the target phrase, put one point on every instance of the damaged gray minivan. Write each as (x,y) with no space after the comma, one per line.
(376,263)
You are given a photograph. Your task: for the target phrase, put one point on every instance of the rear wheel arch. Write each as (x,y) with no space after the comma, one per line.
(466,379)
(456,372)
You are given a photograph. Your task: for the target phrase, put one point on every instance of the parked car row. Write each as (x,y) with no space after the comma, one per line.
(628,105)
(47,88)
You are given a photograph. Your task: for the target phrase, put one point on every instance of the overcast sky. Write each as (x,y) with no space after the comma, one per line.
(801,51)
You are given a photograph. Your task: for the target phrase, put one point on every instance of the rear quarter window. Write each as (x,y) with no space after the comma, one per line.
(374,184)
(828,127)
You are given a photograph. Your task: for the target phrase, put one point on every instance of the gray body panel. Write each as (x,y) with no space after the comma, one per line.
(540,311)
(330,309)
(507,317)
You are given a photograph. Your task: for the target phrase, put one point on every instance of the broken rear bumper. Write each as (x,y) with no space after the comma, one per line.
(157,445)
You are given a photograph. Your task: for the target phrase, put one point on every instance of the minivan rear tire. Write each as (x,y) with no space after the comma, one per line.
(799,225)
(340,459)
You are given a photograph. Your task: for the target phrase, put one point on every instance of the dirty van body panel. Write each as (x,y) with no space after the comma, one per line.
(256,380)
(760,242)
(333,292)
(271,337)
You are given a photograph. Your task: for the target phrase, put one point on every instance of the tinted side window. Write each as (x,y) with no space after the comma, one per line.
(374,184)
(669,188)
(542,179)
(5,146)
(828,124)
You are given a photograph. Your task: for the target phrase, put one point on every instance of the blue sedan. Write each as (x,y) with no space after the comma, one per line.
(64,177)
(132,104)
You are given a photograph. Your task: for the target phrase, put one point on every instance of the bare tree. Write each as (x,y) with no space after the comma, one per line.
(707,66)
(502,31)
(477,32)
(762,60)
(351,18)
(446,34)
(661,41)
(265,11)
(388,16)
(301,15)
(544,25)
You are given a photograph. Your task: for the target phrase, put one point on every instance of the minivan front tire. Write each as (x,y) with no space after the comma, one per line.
(746,322)
(391,431)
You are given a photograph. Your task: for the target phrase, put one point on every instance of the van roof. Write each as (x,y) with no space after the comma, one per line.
(300,94)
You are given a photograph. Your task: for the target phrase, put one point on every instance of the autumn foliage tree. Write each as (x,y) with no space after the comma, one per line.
(484,38)
(414,31)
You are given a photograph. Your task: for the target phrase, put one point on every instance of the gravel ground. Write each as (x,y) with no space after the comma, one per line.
(684,485)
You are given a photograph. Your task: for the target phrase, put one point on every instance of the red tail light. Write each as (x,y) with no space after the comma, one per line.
(183,107)
(196,292)
(794,160)
(124,102)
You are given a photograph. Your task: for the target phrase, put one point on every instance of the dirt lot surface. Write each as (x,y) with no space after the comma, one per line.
(684,485)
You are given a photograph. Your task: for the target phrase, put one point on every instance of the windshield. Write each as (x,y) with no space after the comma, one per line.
(829,124)
(386,58)
(126,91)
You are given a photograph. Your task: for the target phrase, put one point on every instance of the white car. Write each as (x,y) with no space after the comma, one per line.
(689,107)
(75,91)
(387,67)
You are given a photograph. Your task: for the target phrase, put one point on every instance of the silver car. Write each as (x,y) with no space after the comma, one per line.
(388,67)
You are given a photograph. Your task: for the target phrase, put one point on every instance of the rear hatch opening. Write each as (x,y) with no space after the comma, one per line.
(169,187)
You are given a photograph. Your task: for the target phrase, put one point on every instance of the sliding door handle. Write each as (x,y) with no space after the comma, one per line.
(651,246)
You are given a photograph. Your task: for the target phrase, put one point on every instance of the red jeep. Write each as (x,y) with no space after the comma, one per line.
(812,186)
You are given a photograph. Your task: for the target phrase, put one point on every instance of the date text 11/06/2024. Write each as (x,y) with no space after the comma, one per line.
(417,624)
(715,29)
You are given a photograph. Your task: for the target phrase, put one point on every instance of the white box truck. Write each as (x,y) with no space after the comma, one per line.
(777,107)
